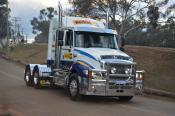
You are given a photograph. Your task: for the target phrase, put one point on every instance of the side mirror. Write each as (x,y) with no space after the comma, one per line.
(60,42)
(122,49)
(59,35)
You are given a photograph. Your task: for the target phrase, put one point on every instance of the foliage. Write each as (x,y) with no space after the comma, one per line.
(3,18)
(169,12)
(164,36)
(130,15)
(3,2)
(121,11)
(41,24)
(153,15)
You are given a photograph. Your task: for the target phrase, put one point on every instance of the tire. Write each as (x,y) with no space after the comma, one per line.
(125,98)
(27,77)
(73,88)
(36,80)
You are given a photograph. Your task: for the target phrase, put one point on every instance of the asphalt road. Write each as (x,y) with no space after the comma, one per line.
(19,100)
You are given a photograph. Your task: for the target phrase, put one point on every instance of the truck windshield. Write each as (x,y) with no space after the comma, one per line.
(91,39)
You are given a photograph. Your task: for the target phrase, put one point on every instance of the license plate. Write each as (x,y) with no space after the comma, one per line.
(121,82)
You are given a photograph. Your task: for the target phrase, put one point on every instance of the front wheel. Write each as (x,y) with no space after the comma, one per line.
(73,87)
(125,98)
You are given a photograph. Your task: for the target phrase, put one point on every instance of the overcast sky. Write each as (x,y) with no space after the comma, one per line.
(27,9)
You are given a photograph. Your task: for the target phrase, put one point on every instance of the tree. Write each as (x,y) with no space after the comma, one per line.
(4,11)
(40,25)
(169,11)
(121,11)
(153,15)
(171,15)
(3,2)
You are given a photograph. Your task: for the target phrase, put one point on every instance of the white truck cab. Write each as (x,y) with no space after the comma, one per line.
(83,56)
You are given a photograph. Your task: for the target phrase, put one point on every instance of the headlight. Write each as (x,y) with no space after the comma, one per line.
(97,75)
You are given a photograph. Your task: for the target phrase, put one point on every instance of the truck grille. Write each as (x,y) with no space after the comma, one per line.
(121,75)
(121,69)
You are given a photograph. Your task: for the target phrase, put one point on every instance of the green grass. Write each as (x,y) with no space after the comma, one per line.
(159,63)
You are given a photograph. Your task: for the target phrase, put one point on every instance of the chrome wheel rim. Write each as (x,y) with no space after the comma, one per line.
(27,77)
(35,79)
(73,87)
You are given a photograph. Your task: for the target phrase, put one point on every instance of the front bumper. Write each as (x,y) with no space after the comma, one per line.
(101,88)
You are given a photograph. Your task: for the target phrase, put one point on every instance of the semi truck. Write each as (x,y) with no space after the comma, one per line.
(84,58)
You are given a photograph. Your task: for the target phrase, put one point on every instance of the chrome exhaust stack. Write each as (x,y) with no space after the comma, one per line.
(58,33)
(60,15)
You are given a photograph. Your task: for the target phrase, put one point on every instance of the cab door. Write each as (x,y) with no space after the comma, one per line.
(66,55)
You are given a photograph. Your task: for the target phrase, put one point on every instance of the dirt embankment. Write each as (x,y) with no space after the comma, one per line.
(27,53)
(159,64)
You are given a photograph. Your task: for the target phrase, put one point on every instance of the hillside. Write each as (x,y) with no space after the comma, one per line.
(159,63)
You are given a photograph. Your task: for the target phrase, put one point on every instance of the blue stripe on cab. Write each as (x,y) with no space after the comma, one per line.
(85,54)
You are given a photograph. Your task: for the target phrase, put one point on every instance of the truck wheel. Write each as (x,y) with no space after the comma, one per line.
(27,77)
(125,98)
(73,87)
(36,80)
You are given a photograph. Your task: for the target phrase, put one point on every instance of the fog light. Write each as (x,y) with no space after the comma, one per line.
(93,87)
(128,71)
(113,70)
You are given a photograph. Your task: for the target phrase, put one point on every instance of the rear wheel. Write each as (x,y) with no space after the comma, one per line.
(73,87)
(27,77)
(125,98)
(36,80)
